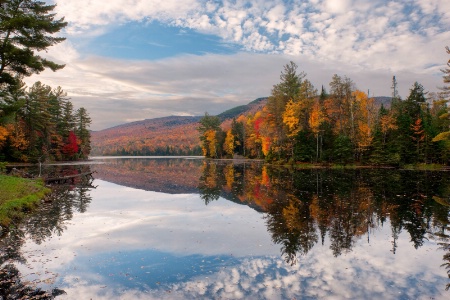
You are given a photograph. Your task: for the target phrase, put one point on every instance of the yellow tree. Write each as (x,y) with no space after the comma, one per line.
(316,118)
(3,135)
(228,146)
(210,149)
(387,123)
(291,118)
(18,140)
(364,122)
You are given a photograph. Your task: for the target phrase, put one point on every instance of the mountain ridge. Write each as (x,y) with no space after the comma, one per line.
(171,135)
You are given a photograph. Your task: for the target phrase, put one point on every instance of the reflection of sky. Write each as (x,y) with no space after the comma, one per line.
(135,244)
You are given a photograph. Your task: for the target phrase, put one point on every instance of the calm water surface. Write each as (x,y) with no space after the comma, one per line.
(159,228)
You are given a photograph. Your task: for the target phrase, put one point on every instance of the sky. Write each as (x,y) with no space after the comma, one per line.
(132,60)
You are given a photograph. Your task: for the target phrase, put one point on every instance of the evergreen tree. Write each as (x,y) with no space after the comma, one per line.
(343,150)
(26,26)
(238,131)
(288,89)
(83,121)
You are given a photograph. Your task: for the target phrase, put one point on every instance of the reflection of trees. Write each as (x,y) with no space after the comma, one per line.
(53,215)
(12,287)
(343,205)
(440,228)
(167,175)
(47,220)
(293,227)
(210,185)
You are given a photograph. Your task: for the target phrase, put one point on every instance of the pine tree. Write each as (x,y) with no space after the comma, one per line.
(83,121)
(26,26)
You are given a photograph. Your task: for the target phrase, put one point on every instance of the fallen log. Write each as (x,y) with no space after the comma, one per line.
(68,178)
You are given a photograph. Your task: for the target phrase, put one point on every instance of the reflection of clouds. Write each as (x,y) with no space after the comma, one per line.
(124,219)
(270,278)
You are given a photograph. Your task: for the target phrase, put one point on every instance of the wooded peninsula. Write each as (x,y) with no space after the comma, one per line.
(342,126)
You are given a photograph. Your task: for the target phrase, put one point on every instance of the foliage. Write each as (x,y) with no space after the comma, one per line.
(211,136)
(26,26)
(40,126)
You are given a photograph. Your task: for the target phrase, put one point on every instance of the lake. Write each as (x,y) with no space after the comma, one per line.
(189,228)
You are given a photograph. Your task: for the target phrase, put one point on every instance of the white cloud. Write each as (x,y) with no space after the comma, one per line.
(337,6)
(256,25)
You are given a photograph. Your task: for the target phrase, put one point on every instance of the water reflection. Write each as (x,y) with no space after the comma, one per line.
(167,175)
(302,207)
(49,220)
(146,232)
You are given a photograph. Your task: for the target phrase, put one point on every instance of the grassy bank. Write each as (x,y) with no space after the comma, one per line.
(17,196)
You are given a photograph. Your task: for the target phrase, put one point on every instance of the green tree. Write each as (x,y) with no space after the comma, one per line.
(26,27)
(38,120)
(406,114)
(287,90)
(238,131)
(83,122)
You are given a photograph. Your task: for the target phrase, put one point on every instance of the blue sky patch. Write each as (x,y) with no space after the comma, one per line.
(137,40)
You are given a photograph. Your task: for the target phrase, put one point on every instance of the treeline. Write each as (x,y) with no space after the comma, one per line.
(156,151)
(40,123)
(344,125)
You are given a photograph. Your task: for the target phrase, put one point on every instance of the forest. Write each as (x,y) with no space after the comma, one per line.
(40,123)
(37,123)
(342,125)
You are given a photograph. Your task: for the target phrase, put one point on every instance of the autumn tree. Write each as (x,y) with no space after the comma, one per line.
(288,89)
(210,135)
(228,145)
(316,118)
(445,96)
(70,149)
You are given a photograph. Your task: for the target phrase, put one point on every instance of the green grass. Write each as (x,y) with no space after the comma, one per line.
(18,196)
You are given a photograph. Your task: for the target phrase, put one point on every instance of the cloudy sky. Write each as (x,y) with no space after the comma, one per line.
(130,60)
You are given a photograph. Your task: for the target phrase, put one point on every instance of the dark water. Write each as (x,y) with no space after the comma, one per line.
(189,229)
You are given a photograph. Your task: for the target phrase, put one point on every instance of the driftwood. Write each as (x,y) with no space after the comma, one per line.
(68,178)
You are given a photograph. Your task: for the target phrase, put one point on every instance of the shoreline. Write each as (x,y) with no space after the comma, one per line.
(19,196)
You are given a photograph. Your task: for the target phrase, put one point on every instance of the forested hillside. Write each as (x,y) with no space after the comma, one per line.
(174,135)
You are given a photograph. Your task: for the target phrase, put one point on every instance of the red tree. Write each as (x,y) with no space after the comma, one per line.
(71,147)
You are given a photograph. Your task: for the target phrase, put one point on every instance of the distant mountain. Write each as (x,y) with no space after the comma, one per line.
(243,109)
(174,135)
(386,101)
